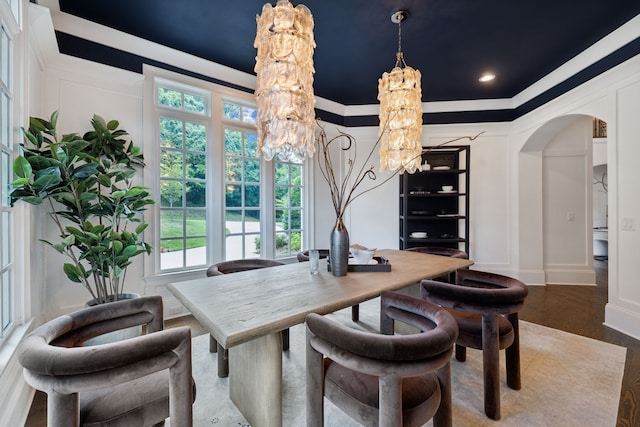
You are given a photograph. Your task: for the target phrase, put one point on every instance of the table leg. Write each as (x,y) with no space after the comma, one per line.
(255,380)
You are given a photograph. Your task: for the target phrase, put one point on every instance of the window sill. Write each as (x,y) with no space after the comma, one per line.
(10,344)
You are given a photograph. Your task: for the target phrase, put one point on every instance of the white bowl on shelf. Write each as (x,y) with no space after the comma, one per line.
(418,234)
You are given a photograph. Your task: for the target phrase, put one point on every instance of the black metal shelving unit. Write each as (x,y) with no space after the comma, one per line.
(425,207)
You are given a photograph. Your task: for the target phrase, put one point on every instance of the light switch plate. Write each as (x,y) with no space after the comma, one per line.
(628,224)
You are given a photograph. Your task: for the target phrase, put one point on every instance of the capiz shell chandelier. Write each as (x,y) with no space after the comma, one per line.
(400,113)
(284,88)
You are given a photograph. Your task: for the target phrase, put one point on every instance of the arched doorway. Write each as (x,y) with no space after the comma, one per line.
(555,175)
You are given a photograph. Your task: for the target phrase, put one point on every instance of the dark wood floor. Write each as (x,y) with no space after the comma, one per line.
(575,309)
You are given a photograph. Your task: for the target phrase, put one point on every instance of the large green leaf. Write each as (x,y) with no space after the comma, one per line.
(54,119)
(72,273)
(40,162)
(69,240)
(38,124)
(22,167)
(20,182)
(117,195)
(117,246)
(99,123)
(140,228)
(113,125)
(135,151)
(46,179)
(129,251)
(117,271)
(29,136)
(34,200)
(85,170)
(87,197)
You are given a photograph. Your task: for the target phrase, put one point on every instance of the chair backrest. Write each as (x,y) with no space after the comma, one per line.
(234,266)
(477,291)
(437,250)
(382,354)
(304,255)
(55,362)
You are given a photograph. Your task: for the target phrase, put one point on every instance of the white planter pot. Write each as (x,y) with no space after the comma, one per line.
(119,335)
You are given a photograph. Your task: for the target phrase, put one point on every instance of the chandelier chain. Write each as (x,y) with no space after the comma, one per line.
(400,56)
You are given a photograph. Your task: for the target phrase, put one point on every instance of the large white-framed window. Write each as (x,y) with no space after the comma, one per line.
(182,128)
(216,199)
(10,291)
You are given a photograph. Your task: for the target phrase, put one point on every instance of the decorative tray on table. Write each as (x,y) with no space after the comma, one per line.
(377,263)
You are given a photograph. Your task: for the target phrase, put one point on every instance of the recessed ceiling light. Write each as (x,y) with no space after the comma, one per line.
(487,77)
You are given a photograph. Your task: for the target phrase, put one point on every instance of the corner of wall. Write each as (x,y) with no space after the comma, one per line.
(625,321)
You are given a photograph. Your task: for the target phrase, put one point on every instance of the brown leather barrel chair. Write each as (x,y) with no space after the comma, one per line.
(486,307)
(383,379)
(235,266)
(135,381)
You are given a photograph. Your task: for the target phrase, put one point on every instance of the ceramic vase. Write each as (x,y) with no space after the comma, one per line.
(339,249)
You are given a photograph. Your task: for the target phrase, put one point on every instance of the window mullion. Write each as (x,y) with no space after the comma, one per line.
(268,232)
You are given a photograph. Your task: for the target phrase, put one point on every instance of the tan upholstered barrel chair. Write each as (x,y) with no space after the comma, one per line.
(383,379)
(139,381)
(486,306)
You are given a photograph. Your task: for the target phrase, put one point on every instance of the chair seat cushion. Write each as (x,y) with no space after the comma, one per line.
(141,402)
(351,390)
(470,329)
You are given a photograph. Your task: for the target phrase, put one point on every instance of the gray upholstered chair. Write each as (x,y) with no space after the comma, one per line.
(303,256)
(486,309)
(235,266)
(437,250)
(383,379)
(139,381)
(442,251)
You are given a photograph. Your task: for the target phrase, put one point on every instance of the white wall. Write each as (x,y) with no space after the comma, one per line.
(623,309)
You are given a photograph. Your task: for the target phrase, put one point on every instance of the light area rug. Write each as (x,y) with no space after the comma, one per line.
(567,381)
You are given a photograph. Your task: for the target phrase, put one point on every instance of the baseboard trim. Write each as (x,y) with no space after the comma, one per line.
(622,320)
(570,275)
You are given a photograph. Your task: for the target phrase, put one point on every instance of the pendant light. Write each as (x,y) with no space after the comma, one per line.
(400,113)
(284,87)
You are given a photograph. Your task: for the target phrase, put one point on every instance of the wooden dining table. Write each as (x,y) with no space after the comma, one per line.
(246,311)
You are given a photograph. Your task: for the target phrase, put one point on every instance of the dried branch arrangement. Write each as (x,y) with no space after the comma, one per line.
(343,191)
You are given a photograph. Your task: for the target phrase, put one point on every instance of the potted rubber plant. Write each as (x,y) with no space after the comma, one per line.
(87,185)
